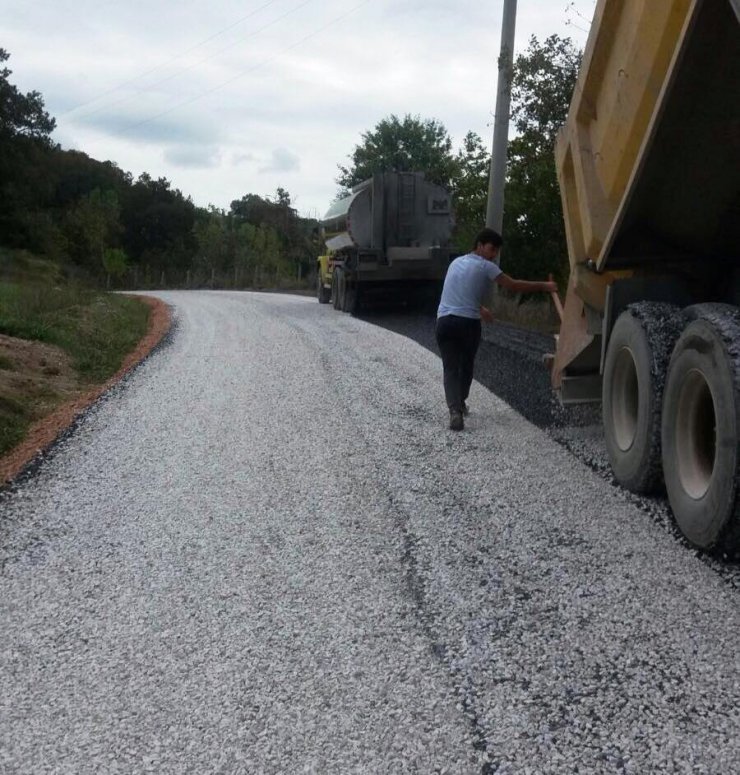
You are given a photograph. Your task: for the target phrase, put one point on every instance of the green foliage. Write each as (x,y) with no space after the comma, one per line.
(544,79)
(401,145)
(282,244)
(21,115)
(100,335)
(96,329)
(91,225)
(157,224)
(470,190)
(98,220)
(115,261)
(24,152)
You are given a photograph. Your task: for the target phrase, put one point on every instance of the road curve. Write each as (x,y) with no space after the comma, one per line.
(265,553)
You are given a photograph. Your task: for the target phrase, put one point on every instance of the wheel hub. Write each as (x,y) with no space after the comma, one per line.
(696,434)
(625,399)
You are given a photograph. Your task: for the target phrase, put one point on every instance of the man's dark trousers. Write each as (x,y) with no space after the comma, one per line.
(458,339)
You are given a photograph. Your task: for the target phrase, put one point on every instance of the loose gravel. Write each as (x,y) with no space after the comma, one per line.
(510,364)
(264,553)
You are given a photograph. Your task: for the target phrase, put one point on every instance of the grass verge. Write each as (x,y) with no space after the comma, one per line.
(48,316)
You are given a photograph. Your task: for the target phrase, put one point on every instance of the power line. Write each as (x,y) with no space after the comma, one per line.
(200,61)
(264,62)
(168,62)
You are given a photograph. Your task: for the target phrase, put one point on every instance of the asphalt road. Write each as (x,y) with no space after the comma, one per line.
(265,553)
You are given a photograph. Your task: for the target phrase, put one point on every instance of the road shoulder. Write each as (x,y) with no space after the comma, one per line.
(43,434)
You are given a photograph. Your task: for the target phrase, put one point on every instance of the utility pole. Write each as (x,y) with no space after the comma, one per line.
(495,209)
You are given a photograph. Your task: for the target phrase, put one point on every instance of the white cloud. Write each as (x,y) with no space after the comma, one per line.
(282,90)
(193,156)
(282,160)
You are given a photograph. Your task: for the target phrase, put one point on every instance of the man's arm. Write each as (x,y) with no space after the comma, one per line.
(525,286)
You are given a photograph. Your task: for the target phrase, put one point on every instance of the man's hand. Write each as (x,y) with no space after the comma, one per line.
(486,314)
(549,286)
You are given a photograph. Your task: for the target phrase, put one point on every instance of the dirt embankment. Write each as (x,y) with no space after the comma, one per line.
(40,358)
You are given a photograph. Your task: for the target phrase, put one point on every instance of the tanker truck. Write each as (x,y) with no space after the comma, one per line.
(649,171)
(388,240)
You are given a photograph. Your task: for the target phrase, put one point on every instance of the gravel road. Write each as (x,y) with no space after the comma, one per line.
(265,553)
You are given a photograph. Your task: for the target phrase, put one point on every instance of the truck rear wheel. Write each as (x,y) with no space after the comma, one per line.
(342,290)
(351,296)
(335,289)
(701,427)
(634,371)
(322,294)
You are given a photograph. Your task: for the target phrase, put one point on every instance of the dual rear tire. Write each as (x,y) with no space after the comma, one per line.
(322,294)
(345,295)
(701,426)
(671,411)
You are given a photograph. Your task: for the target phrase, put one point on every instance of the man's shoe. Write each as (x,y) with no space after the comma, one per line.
(465,410)
(456,421)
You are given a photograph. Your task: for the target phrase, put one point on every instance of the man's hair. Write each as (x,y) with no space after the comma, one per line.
(489,237)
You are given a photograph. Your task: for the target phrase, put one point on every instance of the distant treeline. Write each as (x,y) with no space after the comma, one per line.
(125,232)
(143,233)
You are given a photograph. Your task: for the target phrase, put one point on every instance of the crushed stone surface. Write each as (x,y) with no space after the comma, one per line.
(264,552)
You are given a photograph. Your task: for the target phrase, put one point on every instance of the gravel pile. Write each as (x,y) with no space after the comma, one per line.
(264,552)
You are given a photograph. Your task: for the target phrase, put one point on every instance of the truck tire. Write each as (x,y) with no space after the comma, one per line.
(341,290)
(351,296)
(636,361)
(335,289)
(701,428)
(322,294)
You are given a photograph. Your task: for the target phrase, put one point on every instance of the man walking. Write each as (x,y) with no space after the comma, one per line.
(466,287)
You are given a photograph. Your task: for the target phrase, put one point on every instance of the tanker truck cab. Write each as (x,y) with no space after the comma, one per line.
(649,169)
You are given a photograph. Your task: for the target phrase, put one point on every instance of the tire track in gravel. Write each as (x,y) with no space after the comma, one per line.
(497,555)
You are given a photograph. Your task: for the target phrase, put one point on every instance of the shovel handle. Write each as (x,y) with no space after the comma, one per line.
(556,300)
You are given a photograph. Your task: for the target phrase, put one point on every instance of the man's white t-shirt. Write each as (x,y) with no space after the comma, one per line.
(466,287)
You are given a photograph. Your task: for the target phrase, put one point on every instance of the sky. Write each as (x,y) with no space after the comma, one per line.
(227,98)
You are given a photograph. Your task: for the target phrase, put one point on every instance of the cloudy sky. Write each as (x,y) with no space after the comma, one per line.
(225,98)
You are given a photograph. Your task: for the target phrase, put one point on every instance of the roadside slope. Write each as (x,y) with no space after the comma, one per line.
(42,434)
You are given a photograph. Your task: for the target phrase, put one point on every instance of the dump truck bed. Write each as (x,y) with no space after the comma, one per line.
(649,158)
(649,170)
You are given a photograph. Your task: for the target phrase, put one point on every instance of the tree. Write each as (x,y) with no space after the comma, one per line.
(21,114)
(293,232)
(25,148)
(212,237)
(543,82)
(158,224)
(91,226)
(115,263)
(402,145)
(470,189)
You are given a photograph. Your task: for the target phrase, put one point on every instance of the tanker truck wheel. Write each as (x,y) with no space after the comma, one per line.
(351,297)
(322,294)
(341,290)
(335,280)
(634,371)
(701,423)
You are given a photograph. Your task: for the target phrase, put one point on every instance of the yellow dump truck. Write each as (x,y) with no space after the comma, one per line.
(649,169)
